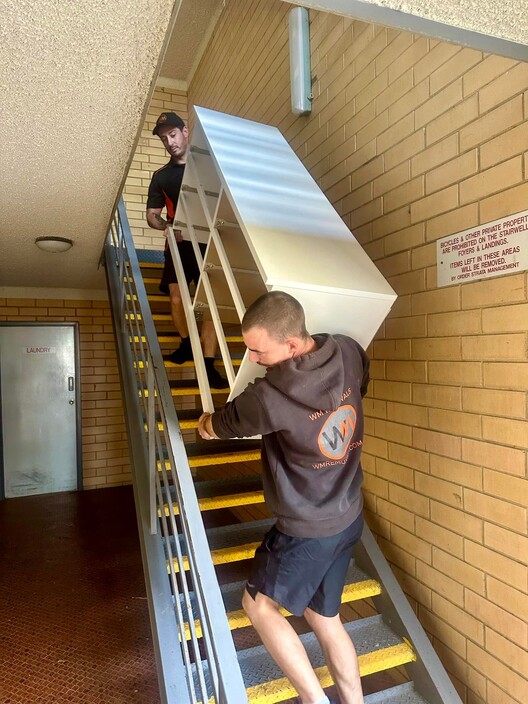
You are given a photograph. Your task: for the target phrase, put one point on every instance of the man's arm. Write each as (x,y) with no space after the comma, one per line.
(155,221)
(205,427)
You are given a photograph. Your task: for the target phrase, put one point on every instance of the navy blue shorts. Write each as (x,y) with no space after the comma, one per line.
(300,573)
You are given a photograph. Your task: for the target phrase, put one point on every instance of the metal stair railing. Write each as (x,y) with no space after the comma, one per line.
(162,477)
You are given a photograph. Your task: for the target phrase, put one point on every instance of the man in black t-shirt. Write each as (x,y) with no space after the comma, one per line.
(164,191)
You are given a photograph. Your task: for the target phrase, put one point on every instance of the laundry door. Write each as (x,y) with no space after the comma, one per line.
(39,411)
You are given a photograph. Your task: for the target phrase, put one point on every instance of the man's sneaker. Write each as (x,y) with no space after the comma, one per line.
(216,381)
(181,355)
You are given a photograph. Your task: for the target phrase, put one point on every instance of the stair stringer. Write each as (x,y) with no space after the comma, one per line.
(427,672)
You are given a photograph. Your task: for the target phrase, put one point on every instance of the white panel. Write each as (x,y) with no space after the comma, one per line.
(38,420)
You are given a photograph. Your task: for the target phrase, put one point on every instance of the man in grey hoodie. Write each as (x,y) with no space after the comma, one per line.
(308,409)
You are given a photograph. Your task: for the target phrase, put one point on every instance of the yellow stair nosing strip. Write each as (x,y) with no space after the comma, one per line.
(281,689)
(351,592)
(223,556)
(225,458)
(212,503)
(187,391)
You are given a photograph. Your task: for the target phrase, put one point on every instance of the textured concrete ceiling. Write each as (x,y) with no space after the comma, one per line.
(75,78)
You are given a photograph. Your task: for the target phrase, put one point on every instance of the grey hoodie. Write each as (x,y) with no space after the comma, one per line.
(309,413)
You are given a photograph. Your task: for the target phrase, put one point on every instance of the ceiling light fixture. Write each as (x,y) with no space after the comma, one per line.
(54,244)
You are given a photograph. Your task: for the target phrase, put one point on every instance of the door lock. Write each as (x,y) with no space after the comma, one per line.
(71,402)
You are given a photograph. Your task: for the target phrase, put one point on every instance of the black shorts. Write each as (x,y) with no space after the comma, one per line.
(189,263)
(304,572)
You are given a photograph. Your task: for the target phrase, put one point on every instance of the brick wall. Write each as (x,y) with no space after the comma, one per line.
(150,155)
(104,440)
(414,139)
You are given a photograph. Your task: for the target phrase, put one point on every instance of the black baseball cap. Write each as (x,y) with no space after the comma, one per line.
(170,119)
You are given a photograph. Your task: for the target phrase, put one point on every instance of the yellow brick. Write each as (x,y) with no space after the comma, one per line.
(392,53)
(484,72)
(407,413)
(496,617)
(374,128)
(418,505)
(437,396)
(462,473)
(450,223)
(466,624)
(452,172)
(497,565)
(424,256)
(395,515)
(409,57)
(404,194)
(457,520)
(374,89)
(437,56)
(398,557)
(505,318)
(516,658)
(409,282)
(511,404)
(405,239)
(368,172)
(406,149)
(435,301)
(436,348)
(392,222)
(497,672)
(494,456)
(438,104)
(458,323)
(363,214)
(392,349)
(395,133)
(438,154)
(395,264)
(409,101)
(378,487)
(495,510)
(505,203)
(471,577)
(447,492)
(510,83)
(390,431)
(498,178)
(436,535)
(513,489)
(495,347)
(434,204)
(411,544)
(376,446)
(394,473)
(506,542)
(493,292)
(409,457)
(440,583)
(453,68)
(392,391)
(506,145)
(405,327)
(461,114)
(438,443)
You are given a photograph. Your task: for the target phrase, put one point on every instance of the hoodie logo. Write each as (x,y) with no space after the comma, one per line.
(337,432)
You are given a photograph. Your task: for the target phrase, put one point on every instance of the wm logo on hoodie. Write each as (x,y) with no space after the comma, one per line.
(337,432)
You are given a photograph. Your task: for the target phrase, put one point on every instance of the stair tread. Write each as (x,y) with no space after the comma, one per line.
(401,694)
(377,646)
(214,447)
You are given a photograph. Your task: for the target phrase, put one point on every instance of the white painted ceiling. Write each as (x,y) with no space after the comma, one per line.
(76,77)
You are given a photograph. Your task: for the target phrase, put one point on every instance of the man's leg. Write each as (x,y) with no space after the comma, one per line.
(284,646)
(340,655)
(184,351)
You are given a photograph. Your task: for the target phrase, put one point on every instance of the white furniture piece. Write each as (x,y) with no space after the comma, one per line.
(268,226)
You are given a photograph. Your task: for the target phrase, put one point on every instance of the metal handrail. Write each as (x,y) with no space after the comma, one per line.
(167,477)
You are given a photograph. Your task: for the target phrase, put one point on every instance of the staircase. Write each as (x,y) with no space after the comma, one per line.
(201,510)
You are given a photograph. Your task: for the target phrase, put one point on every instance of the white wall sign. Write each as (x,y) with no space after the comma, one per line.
(492,249)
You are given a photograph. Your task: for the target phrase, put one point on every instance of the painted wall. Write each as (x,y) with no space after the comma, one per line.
(104,439)
(412,140)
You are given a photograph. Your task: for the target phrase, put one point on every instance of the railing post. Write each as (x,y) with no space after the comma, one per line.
(152,430)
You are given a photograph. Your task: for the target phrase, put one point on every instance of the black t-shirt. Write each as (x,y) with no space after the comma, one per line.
(164,188)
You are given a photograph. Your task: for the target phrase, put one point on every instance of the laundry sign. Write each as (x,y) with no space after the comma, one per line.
(40,350)
(495,248)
